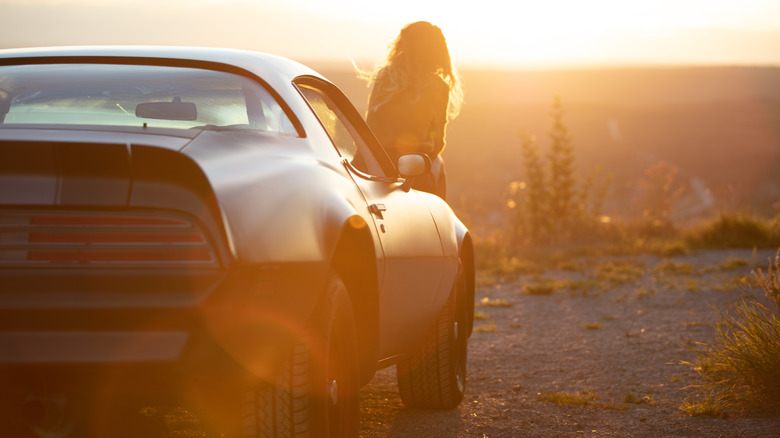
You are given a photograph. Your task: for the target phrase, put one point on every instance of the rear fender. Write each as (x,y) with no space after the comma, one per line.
(354,259)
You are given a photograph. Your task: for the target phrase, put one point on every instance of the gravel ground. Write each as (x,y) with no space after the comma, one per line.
(608,337)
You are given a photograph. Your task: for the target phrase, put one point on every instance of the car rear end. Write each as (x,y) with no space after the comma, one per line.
(117,274)
(105,276)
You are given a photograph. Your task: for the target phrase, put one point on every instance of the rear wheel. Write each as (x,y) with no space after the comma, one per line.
(434,376)
(316,392)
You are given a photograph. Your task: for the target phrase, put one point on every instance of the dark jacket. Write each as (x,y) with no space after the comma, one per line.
(412,120)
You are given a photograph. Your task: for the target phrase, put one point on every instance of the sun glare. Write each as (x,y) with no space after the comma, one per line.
(493,32)
(485,33)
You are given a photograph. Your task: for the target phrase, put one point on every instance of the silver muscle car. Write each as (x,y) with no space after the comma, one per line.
(214,229)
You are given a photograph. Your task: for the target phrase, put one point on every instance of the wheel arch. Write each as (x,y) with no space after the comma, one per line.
(466,255)
(354,260)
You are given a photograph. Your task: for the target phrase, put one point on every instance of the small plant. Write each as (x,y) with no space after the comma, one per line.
(579,398)
(620,298)
(732,263)
(630,398)
(644,292)
(769,281)
(562,197)
(488,328)
(593,326)
(671,267)
(515,266)
(541,288)
(486,281)
(674,248)
(480,316)
(553,205)
(709,406)
(498,302)
(584,287)
(692,285)
(618,273)
(741,372)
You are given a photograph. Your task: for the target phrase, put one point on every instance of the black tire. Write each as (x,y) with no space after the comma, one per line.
(316,391)
(434,376)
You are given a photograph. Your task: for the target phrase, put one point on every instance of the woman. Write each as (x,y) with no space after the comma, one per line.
(413,95)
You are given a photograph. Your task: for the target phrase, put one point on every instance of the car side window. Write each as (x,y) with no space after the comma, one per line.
(342,132)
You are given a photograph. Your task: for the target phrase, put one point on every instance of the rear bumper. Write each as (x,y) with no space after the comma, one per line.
(224,324)
(95,348)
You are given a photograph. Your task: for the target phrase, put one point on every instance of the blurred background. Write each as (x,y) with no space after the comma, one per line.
(687,88)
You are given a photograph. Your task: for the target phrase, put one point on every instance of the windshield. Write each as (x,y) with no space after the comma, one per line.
(137,95)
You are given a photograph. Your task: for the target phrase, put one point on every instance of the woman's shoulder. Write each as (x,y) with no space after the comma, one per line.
(439,83)
(437,87)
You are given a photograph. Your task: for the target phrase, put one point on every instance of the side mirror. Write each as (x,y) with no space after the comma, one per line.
(413,165)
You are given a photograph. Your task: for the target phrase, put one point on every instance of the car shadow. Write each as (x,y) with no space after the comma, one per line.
(383,413)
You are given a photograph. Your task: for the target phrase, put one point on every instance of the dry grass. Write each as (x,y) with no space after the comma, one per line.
(487,302)
(671,267)
(579,398)
(480,316)
(732,263)
(630,398)
(741,371)
(487,328)
(619,272)
(541,288)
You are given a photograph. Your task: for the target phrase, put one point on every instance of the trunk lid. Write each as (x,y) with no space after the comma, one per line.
(82,199)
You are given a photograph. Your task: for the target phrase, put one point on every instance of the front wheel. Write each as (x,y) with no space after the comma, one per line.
(316,392)
(434,376)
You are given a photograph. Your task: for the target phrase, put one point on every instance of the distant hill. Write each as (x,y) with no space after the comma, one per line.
(719,125)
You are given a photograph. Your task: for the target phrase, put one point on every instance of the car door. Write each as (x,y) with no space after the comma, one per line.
(413,255)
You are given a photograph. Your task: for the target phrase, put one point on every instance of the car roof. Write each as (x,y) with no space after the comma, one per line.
(277,71)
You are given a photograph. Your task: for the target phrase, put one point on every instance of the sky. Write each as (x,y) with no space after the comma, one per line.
(480,33)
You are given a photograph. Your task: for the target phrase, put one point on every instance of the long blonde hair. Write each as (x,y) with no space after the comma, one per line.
(419,52)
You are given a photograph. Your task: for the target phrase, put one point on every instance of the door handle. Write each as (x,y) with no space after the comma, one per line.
(377,209)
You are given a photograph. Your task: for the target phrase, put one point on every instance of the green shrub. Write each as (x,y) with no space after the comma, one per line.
(736,231)
(552,204)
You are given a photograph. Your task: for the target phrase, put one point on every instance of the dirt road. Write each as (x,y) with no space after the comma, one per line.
(613,331)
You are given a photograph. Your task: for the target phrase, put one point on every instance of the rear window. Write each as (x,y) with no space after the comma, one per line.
(136,95)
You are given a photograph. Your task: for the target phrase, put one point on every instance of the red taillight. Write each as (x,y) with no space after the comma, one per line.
(121,256)
(102,239)
(115,238)
(102,220)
